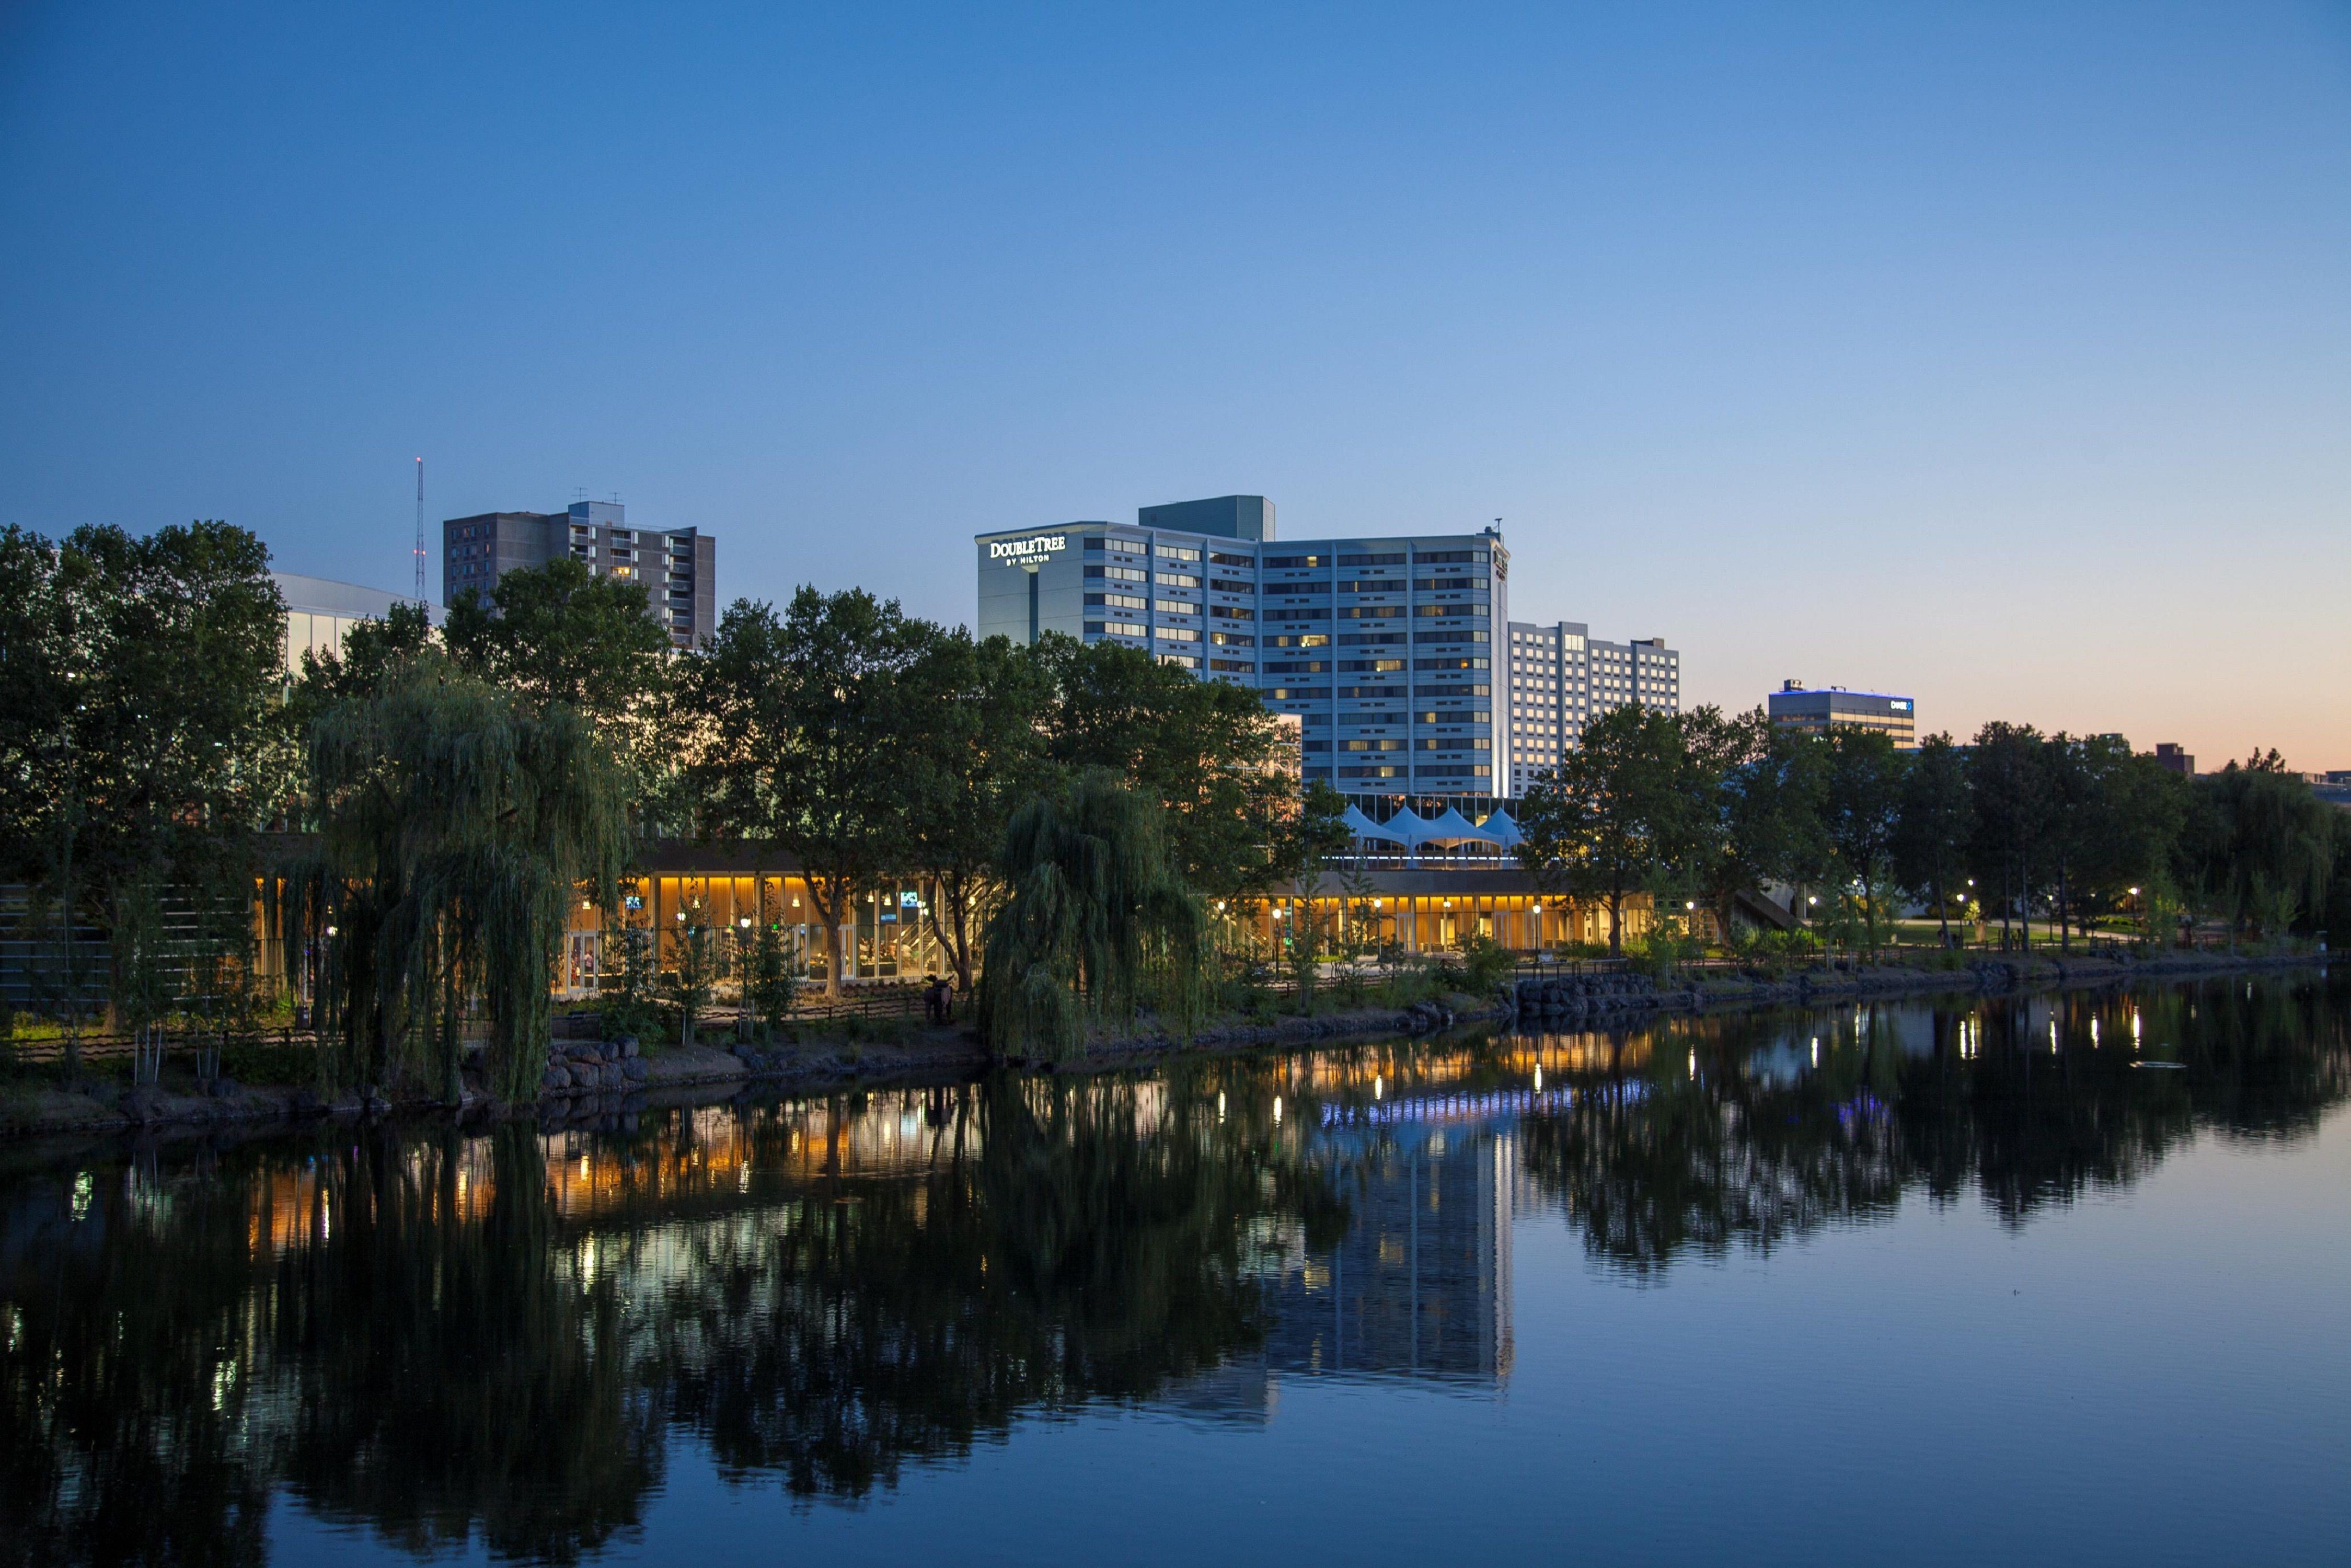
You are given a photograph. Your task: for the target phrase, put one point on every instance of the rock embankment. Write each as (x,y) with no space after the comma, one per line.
(594,1067)
(1565,1002)
(1419,1018)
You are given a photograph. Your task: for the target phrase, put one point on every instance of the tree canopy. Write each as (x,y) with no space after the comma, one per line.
(458,823)
(1617,815)
(1699,802)
(141,741)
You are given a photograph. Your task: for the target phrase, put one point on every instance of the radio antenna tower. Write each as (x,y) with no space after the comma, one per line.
(420,532)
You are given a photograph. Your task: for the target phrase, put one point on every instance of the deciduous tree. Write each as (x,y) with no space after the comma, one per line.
(2008,789)
(456,826)
(1615,810)
(802,721)
(1219,765)
(1095,920)
(1931,840)
(142,744)
(977,755)
(1861,812)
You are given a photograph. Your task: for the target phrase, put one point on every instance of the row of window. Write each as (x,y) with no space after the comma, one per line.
(1115,573)
(1097,544)
(1422,771)
(1427,743)
(1317,666)
(1132,549)
(1467,716)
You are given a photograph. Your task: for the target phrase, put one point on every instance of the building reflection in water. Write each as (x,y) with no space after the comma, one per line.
(826,1291)
(1417,1284)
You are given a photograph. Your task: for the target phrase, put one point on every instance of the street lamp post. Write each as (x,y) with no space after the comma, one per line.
(742,977)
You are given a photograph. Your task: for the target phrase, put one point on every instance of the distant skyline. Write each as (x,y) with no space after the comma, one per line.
(1998,355)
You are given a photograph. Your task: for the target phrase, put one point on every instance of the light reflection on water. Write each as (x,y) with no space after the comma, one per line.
(547,1345)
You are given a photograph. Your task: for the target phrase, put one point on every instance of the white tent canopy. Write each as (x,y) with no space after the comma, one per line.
(1407,827)
(1413,831)
(1455,827)
(1503,829)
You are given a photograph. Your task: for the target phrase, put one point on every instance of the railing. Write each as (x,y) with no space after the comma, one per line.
(97,1046)
(1545,966)
(868,1002)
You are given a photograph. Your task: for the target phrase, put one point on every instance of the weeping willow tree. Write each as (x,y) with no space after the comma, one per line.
(1095,923)
(455,826)
(2269,847)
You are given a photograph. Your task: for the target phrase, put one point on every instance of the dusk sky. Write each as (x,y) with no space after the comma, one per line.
(1999,356)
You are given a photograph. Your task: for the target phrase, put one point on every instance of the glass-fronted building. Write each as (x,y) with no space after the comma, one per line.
(1383,648)
(1816,711)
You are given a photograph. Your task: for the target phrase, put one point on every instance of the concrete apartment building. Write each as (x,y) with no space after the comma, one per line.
(1817,710)
(677,567)
(1386,648)
(1561,677)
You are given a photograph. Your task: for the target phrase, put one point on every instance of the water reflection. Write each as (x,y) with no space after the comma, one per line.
(439,1337)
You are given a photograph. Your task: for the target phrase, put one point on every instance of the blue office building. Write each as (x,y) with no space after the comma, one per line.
(1816,710)
(1383,647)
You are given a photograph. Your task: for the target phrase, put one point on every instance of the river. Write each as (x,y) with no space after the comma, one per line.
(2054,1278)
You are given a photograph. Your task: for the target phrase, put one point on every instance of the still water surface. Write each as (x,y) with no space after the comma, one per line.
(1926,1284)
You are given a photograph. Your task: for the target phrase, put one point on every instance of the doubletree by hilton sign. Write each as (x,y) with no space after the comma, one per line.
(1029,549)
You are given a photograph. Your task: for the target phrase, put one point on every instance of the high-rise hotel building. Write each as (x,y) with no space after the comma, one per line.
(678,567)
(1383,648)
(1396,655)
(1561,677)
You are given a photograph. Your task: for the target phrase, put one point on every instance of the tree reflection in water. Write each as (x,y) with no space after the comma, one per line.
(1751,1131)
(438,1337)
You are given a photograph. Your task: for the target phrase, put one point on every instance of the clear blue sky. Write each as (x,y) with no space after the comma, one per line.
(2000,355)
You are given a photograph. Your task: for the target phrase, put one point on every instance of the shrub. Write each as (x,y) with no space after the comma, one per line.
(1484,963)
(1303,975)
(638,1015)
(268,1061)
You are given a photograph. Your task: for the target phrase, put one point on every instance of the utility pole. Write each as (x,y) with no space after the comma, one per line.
(420,532)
